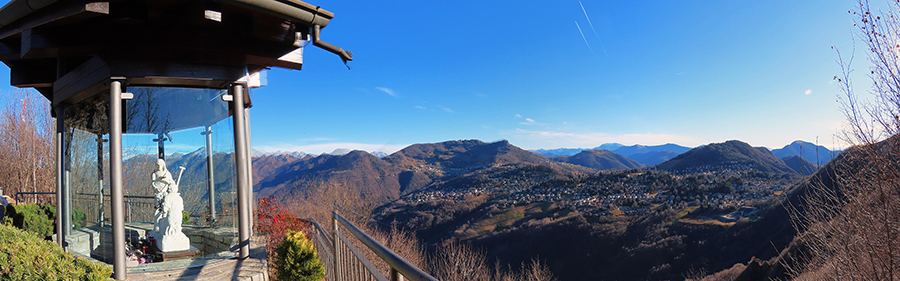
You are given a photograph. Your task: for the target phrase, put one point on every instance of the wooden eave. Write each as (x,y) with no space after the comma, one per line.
(150,38)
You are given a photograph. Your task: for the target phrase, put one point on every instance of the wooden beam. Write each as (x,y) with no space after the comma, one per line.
(73,87)
(33,73)
(9,52)
(292,60)
(58,13)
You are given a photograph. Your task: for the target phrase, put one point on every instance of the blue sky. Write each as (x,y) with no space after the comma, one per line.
(562,74)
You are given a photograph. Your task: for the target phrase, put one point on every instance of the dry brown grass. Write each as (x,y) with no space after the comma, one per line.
(852,218)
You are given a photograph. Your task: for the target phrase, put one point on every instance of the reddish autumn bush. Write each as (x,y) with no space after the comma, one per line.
(274,221)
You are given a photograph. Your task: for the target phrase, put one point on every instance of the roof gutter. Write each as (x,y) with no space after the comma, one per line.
(293,10)
(17,9)
(300,12)
(345,55)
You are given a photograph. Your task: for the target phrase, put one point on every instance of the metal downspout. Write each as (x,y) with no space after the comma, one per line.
(344,54)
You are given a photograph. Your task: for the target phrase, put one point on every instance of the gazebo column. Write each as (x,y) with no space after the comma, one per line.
(240,152)
(100,213)
(210,178)
(251,203)
(117,198)
(60,172)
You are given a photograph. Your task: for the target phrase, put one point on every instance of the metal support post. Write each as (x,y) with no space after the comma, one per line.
(248,168)
(67,201)
(240,151)
(395,275)
(117,197)
(60,171)
(210,178)
(100,213)
(337,247)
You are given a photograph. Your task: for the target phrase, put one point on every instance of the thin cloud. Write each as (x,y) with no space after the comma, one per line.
(808,92)
(388,91)
(446,109)
(420,107)
(528,121)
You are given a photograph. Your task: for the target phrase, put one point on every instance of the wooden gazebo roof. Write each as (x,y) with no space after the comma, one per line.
(64,47)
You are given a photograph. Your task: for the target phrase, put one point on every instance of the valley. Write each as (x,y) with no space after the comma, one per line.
(704,210)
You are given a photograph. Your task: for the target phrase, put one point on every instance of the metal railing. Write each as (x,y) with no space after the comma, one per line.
(36,196)
(344,261)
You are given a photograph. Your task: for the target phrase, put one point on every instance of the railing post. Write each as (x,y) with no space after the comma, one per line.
(337,243)
(395,275)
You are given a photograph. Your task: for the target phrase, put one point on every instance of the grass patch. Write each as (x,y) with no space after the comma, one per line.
(686,211)
(507,219)
(705,222)
(616,212)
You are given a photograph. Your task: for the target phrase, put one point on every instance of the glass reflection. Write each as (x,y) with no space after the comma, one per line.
(191,130)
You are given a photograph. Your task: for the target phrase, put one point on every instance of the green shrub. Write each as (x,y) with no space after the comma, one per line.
(77,218)
(297,259)
(185,218)
(27,256)
(33,218)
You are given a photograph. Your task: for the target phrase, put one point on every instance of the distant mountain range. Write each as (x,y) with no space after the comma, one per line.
(731,154)
(600,159)
(643,154)
(260,153)
(813,153)
(380,180)
(387,177)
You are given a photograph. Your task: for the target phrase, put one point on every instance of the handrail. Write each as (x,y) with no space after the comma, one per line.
(107,195)
(397,263)
(32,193)
(368,265)
(322,232)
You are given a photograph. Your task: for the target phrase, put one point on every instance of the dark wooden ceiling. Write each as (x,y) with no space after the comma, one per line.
(145,38)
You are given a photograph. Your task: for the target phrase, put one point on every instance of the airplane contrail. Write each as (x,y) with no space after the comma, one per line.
(588,18)
(592,27)
(585,39)
(582,36)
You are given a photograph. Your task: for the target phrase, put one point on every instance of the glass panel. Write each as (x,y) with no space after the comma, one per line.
(87,177)
(160,123)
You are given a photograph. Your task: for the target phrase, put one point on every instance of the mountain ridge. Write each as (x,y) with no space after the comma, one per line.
(733,154)
(600,159)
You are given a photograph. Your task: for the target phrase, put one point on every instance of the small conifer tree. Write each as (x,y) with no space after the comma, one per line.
(297,259)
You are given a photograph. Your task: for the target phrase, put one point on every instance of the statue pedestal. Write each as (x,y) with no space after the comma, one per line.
(177,255)
(174,242)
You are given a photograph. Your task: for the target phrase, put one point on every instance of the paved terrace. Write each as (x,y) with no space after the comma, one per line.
(253,268)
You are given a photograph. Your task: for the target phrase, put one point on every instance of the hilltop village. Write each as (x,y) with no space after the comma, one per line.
(628,192)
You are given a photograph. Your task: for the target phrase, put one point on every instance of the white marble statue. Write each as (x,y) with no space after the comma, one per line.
(161,179)
(167,228)
(172,237)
